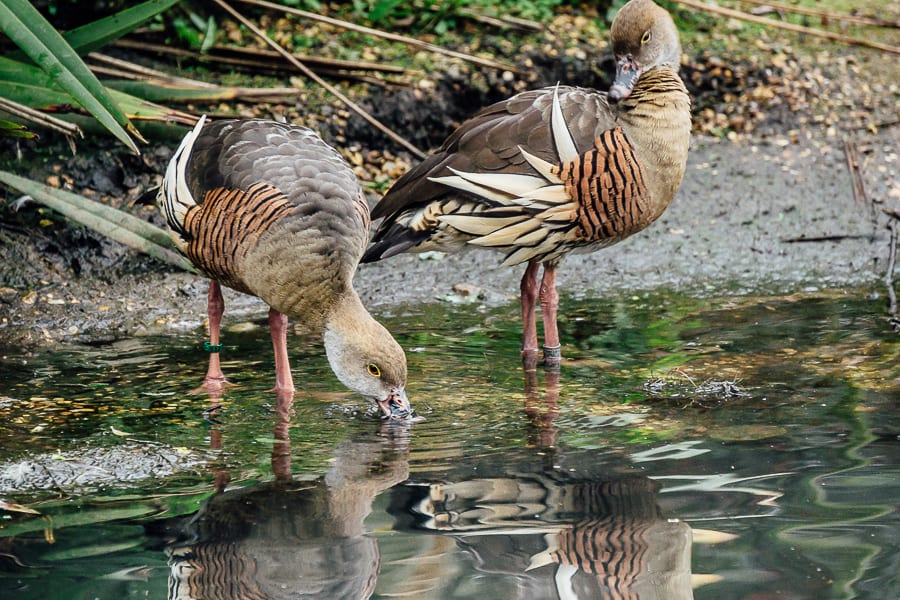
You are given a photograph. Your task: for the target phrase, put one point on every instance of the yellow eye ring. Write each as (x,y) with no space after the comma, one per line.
(373,370)
(646,37)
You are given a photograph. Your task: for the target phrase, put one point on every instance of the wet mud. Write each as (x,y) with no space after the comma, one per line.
(769,211)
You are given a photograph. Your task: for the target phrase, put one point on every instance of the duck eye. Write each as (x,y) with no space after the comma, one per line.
(646,37)
(373,369)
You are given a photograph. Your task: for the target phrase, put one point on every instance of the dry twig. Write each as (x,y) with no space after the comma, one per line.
(333,63)
(386,35)
(893,317)
(70,130)
(826,238)
(130,70)
(813,12)
(501,21)
(728,12)
(310,74)
(859,191)
(257,56)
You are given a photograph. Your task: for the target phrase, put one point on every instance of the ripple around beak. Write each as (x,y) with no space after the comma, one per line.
(396,408)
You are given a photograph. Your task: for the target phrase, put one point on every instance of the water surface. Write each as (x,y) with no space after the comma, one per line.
(713,448)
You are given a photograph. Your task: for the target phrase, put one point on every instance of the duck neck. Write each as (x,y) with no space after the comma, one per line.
(346,325)
(656,118)
(347,317)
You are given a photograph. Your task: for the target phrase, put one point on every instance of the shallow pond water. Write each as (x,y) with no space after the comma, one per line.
(712,448)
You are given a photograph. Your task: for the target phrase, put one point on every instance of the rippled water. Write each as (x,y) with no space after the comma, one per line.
(716,448)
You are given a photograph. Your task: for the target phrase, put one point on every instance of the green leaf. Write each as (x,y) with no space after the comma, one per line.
(28,85)
(14,130)
(14,71)
(101,32)
(83,551)
(209,36)
(187,32)
(37,97)
(113,223)
(28,29)
(383,9)
(102,514)
(50,100)
(139,109)
(160,91)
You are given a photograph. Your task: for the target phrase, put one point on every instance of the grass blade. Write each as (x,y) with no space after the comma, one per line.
(101,32)
(28,85)
(113,223)
(28,29)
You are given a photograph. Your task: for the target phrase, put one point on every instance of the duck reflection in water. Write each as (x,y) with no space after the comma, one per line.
(541,410)
(287,538)
(557,536)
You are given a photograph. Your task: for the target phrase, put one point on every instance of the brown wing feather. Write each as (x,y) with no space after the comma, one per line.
(602,199)
(489,142)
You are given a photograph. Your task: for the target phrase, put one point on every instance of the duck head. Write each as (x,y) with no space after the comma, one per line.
(366,358)
(643,36)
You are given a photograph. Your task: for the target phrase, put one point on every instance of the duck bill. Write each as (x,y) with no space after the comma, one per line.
(627,74)
(395,405)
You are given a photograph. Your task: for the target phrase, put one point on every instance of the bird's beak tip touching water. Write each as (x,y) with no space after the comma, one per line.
(395,406)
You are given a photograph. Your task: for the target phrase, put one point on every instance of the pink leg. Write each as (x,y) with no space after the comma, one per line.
(215,379)
(549,307)
(278,328)
(529,290)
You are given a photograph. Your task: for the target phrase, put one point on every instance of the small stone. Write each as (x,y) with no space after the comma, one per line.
(466,289)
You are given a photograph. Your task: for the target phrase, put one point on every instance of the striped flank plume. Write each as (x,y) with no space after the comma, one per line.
(227,224)
(607,187)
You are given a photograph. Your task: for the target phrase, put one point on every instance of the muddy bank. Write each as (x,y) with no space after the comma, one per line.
(735,227)
(738,224)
